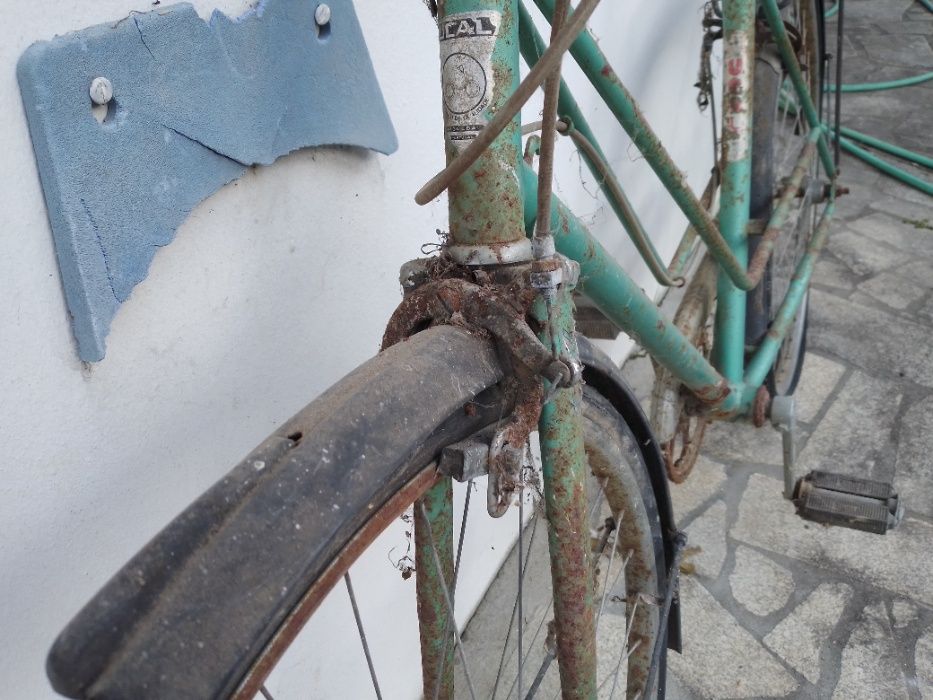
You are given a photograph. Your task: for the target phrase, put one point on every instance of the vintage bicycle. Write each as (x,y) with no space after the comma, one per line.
(481,353)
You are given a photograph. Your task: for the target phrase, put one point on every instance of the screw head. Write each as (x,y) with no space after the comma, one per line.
(322,14)
(101,91)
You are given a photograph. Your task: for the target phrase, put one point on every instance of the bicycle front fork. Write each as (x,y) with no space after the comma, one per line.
(564,468)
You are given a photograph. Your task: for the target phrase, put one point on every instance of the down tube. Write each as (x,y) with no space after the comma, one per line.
(621,300)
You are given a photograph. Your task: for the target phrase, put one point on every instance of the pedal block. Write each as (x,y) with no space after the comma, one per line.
(848,501)
(591,322)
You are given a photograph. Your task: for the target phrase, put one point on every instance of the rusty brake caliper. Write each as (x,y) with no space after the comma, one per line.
(497,302)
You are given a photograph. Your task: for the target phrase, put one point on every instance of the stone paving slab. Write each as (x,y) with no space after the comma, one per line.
(900,289)
(872,340)
(896,226)
(759,584)
(721,659)
(923,664)
(862,256)
(801,638)
(706,552)
(831,274)
(706,481)
(856,436)
(819,378)
(914,471)
(908,51)
(871,666)
(888,10)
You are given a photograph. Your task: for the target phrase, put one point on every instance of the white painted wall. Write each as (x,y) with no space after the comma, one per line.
(275,287)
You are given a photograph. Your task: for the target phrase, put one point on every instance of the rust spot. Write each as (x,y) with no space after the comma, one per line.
(760,406)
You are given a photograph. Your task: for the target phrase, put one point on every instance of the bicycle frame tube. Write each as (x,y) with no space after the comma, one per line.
(738,47)
(479,71)
(599,72)
(613,291)
(764,357)
(532,46)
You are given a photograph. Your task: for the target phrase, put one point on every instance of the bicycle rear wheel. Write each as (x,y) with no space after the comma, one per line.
(210,606)
(780,130)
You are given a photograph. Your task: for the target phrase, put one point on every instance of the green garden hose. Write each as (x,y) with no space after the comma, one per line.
(848,137)
(886,85)
(886,167)
(902,153)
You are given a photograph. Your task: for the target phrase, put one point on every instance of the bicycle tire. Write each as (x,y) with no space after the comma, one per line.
(135,639)
(771,163)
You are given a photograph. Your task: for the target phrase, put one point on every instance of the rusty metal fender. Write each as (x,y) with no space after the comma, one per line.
(230,568)
(602,374)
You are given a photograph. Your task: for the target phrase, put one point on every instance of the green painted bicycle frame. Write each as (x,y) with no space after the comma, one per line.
(727,386)
(482,214)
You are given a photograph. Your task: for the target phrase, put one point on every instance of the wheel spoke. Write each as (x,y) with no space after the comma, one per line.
(265,693)
(508,635)
(599,499)
(521,577)
(448,601)
(612,556)
(463,522)
(359,627)
(626,652)
(539,677)
(534,639)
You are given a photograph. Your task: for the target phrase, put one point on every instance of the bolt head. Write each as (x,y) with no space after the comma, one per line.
(322,14)
(101,91)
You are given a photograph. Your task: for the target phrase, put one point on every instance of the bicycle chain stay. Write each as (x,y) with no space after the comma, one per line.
(496,302)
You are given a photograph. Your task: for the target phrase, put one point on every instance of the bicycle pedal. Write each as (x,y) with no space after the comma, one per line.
(848,501)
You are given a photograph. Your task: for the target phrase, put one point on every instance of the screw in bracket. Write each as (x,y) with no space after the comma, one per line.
(101,91)
(322,14)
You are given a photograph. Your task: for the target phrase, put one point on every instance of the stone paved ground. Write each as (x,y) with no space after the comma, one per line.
(774,605)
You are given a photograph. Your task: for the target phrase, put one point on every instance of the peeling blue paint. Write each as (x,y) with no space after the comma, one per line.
(194,104)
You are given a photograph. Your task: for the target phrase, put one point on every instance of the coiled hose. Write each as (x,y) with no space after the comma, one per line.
(848,137)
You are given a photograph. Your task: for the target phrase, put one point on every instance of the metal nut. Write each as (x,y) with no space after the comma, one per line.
(546,279)
(322,14)
(101,91)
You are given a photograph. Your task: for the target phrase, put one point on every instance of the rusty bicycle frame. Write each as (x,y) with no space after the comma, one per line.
(496,206)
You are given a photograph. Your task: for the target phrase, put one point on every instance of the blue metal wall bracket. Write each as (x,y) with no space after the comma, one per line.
(194,103)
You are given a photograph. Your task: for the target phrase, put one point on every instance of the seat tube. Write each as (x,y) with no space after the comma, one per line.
(479,53)
(738,73)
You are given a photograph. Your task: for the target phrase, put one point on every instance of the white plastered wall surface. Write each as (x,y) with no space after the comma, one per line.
(274,287)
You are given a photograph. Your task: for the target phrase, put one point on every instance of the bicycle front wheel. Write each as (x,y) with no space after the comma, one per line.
(212,605)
